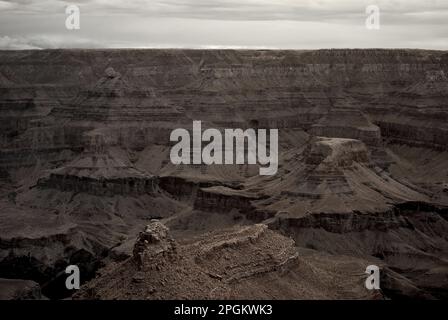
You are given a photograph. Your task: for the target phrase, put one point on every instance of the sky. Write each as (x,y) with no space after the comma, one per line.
(271,24)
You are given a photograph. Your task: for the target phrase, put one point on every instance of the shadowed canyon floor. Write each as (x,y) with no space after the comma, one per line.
(362,176)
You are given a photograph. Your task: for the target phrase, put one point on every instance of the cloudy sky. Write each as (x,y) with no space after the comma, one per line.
(291,24)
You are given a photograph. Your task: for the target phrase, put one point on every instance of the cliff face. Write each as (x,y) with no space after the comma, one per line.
(363,139)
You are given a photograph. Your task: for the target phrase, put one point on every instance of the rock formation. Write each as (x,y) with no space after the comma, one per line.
(251,261)
(152,243)
(12,289)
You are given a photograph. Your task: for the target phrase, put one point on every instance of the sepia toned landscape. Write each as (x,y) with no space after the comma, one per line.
(86,177)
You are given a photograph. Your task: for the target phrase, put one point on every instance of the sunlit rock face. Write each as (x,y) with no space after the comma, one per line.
(362,173)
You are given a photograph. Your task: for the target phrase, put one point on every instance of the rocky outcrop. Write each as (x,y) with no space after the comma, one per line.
(152,244)
(237,263)
(13,289)
(333,152)
(347,123)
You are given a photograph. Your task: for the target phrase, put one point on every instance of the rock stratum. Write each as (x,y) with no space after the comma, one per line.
(362,177)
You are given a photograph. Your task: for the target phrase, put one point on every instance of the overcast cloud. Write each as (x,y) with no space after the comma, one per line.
(290,24)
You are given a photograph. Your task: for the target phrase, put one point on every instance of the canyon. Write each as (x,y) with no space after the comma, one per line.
(362,174)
